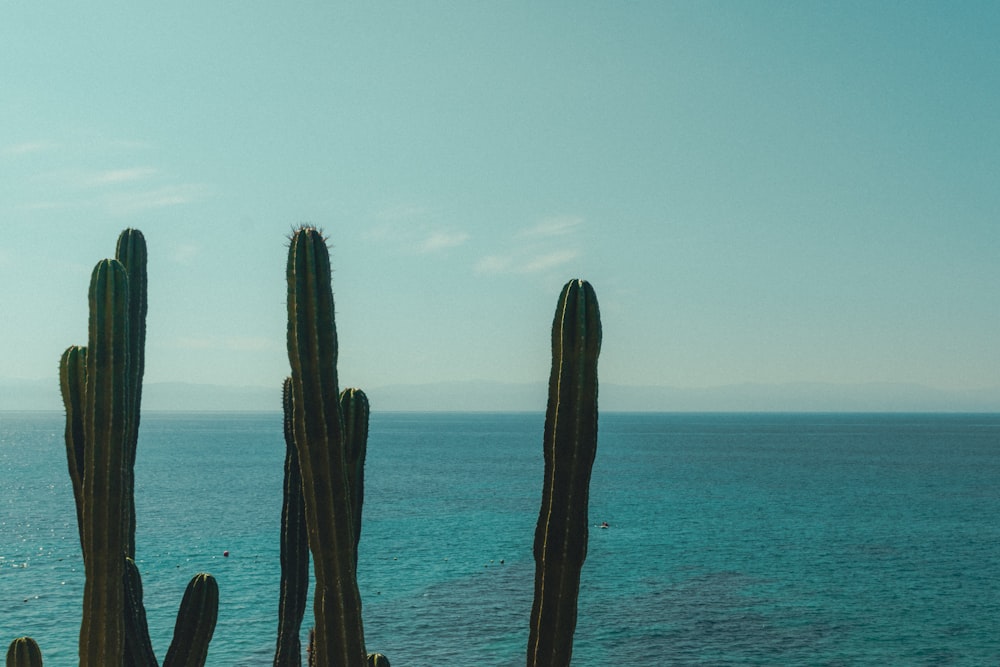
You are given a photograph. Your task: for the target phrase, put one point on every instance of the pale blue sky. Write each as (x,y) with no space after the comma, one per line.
(759,191)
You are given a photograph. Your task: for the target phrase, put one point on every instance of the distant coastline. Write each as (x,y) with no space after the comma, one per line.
(483,396)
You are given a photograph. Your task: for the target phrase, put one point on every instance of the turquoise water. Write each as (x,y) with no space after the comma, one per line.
(734,539)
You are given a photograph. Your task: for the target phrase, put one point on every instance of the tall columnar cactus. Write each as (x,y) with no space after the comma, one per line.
(105,425)
(294,552)
(318,428)
(570,444)
(195,624)
(131,252)
(24,652)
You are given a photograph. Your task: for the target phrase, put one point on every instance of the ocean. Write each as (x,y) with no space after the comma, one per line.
(733,539)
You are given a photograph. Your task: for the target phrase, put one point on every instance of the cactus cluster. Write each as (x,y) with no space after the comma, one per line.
(102,393)
(326,434)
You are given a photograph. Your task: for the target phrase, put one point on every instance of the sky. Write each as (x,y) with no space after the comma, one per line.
(761,192)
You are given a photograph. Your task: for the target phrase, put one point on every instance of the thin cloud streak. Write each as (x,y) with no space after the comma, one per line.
(29,147)
(116,176)
(442,240)
(548,227)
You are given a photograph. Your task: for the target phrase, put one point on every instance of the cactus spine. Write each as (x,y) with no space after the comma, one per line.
(24,652)
(570,444)
(195,624)
(318,428)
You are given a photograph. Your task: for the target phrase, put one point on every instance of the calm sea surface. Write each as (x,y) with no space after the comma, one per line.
(734,539)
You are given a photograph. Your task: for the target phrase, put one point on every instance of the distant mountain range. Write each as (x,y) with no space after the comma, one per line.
(531,397)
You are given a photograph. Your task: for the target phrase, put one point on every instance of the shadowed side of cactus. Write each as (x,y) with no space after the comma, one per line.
(131,252)
(73,384)
(24,652)
(354,406)
(105,433)
(319,436)
(138,647)
(294,550)
(570,445)
(195,623)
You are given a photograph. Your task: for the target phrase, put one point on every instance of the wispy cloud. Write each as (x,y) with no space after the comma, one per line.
(184,253)
(440,240)
(554,226)
(412,229)
(110,177)
(124,203)
(536,249)
(29,147)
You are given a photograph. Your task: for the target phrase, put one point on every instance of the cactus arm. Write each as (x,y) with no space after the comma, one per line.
(24,652)
(294,550)
(105,429)
(138,647)
(73,383)
(319,436)
(570,445)
(354,406)
(378,660)
(131,252)
(195,624)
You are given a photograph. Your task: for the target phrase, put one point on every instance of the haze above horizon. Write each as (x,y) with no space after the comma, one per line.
(759,192)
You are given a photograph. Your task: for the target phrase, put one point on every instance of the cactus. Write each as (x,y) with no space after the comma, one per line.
(101,388)
(195,623)
(354,406)
(378,660)
(318,428)
(24,652)
(105,433)
(294,550)
(131,252)
(570,444)
(138,647)
(73,382)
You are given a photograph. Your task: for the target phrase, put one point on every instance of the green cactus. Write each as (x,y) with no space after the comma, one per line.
(378,660)
(354,406)
(105,432)
(570,444)
(24,652)
(318,428)
(102,387)
(195,623)
(294,550)
(138,647)
(131,252)
(73,382)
